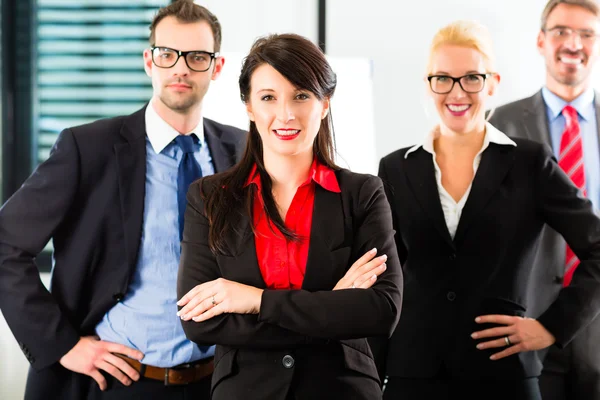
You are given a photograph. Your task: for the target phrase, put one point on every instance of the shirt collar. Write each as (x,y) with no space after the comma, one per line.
(492,135)
(584,104)
(319,173)
(160,133)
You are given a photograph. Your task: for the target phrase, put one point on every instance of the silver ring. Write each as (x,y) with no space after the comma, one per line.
(507,341)
(214,303)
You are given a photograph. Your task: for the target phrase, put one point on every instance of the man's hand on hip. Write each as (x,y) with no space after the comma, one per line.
(90,355)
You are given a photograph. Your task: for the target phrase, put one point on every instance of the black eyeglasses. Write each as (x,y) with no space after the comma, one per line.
(470,83)
(199,61)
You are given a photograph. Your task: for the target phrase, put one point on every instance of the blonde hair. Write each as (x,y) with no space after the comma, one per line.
(469,34)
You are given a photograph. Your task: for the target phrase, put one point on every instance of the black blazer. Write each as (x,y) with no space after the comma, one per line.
(486,268)
(88,197)
(309,341)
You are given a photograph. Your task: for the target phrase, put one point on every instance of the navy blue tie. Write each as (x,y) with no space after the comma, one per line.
(189,171)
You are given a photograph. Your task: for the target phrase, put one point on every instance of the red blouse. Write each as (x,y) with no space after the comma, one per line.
(283,263)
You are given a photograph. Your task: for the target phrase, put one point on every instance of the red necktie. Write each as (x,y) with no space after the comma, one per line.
(570,160)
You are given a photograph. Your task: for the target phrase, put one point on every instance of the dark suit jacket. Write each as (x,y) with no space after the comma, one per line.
(88,197)
(486,268)
(527,118)
(322,330)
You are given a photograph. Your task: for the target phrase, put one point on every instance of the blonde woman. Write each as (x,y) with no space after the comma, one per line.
(469,205)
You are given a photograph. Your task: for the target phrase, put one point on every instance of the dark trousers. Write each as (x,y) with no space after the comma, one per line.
(573,373)
(398,388)
(150,389)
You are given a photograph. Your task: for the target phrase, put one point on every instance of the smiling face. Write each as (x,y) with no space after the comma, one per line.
(459,111)
(287,118)
(569,46)
(178,88)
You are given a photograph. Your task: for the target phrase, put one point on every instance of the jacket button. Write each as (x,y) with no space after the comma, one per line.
(451,296)
(288,361)
(118,296)
(558,279)
(452,257)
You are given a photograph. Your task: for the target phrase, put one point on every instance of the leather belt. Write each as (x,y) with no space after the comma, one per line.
(179,375)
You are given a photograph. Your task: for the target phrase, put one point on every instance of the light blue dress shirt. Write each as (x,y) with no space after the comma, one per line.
(146,318)
(584,104)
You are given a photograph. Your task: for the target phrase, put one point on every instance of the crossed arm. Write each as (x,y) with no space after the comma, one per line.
(243,315)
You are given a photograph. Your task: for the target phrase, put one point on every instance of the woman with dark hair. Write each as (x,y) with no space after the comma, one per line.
(266,269)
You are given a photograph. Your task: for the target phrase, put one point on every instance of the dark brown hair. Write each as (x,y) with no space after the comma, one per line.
(590,5)
(187,11)
(304,65)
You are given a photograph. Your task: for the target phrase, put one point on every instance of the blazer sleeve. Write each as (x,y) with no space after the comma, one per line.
(199,265)
(351,313)
(572,216)
(27,222)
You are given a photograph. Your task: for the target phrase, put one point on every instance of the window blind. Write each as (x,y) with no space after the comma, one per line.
(89,63)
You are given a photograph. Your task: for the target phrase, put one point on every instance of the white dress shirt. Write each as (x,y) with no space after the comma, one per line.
(161,134)
(453,209)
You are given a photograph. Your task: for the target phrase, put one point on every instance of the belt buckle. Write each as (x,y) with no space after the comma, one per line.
(166,377)
(166,380)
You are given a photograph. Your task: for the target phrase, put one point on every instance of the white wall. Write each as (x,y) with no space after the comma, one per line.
(242,21)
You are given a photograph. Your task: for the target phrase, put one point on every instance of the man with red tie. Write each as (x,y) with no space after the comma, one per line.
(565,115)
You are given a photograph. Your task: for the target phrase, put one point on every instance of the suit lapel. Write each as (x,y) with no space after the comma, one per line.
(496,161)
(536,120)
(238,239)
(131,162)
(241,242)
(327,233)
(421,175)
(221,158)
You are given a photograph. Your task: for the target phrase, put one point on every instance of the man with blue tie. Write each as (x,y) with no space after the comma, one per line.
(111,196)
(565,115)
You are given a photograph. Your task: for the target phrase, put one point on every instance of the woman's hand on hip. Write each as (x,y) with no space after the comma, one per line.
(518,335)
(217,297)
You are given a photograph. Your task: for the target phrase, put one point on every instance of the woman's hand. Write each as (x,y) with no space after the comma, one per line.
(217,297)
(364,272)
(519,335)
